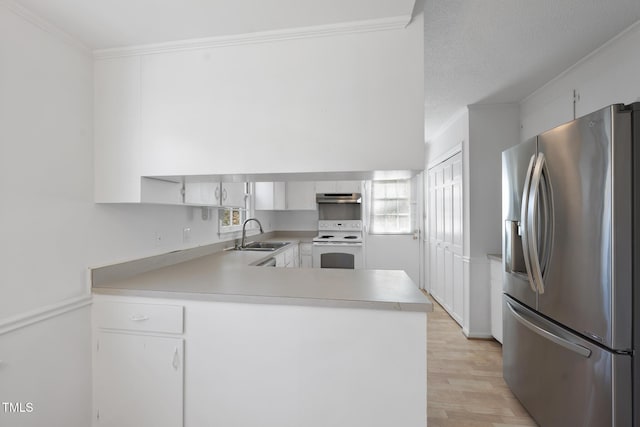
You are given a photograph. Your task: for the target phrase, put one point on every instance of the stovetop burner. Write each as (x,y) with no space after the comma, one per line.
(348,232)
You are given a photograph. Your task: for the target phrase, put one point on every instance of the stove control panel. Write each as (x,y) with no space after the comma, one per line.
(347,225)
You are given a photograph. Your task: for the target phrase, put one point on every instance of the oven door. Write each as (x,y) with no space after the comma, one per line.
(337,255)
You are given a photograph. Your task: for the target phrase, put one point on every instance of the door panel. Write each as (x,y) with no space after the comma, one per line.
(515,166)
(556,384)
(448,278)
(139,380)
(458,288)
(578,282)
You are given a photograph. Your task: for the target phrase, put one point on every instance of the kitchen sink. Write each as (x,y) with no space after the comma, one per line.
(263,246)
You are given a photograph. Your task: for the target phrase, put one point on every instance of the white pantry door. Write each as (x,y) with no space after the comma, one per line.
(445,221)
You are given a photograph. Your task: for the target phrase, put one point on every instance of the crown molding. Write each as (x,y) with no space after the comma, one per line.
(45,25)
(384,24)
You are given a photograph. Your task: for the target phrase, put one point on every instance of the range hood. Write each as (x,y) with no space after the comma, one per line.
(353,198)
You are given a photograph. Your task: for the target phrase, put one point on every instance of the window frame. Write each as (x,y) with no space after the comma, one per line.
(244,213)
(410,202)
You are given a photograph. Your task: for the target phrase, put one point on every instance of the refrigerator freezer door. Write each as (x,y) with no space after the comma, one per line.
(560,378)
(587,281)
(517,168)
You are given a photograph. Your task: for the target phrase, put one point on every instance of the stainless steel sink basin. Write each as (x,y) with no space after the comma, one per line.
(263,246)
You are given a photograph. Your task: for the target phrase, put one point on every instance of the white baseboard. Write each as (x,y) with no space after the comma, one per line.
(476,335)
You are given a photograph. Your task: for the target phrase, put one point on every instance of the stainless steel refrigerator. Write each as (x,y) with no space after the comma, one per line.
(571,258)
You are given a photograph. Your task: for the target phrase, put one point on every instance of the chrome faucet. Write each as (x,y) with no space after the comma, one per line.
(244,231)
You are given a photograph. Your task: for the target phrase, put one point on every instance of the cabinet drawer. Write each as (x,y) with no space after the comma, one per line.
(139,317)
(496,270)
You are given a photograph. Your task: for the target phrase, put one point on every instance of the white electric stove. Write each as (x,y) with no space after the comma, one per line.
(338,245)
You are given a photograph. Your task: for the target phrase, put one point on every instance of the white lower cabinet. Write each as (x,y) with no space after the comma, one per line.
(289,258)
(306,255)
(138,365)
(496,299)
(252,364)
(138,380)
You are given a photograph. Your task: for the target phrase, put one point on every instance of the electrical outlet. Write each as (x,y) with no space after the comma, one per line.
(157,238)
(186,235)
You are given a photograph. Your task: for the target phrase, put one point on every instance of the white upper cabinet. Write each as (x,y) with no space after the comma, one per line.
(301,195)
(201,192)
(279,196)
(117,130)
(252,108)
(233,194)
(339,187)
(270,196)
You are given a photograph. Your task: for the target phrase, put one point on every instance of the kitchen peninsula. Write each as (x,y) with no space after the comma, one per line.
(230,343)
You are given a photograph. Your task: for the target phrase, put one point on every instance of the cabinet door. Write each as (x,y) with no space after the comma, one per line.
(117,130)
(296,256)
(201,193)
(233,194)
(279,196)
(301,195)
(280,260)
(348,187)
(153,190)
(496,299)
(138,380)
(270,196)
(326,187)
(306,261)
(263,196)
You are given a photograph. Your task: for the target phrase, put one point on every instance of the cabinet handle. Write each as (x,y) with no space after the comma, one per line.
(176,360)
(224,194)
(217,194)
(138,317)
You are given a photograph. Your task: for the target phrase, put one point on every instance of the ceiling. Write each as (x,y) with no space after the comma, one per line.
(498,51)
(476,51)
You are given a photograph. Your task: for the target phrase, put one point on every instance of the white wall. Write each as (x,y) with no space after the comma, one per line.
(607,76)
(295,220)
(453,135)
(492,129)
(45,171)
(51,230)
(483,132)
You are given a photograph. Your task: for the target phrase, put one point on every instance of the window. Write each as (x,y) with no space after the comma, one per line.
(231,219)
(391,207)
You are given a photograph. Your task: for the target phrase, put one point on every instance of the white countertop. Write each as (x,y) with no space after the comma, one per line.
(229,276)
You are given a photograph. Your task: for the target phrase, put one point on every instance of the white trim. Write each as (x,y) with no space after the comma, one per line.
(476,335)
(383,24)
(630,29)
(45,25)
(446,156)
(447,124)
(40,314)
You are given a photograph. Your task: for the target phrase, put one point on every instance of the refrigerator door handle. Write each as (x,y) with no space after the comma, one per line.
(576,348)
(524,225)
(532,229)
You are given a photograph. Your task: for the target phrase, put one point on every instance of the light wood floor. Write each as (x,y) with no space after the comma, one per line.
(464,379)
